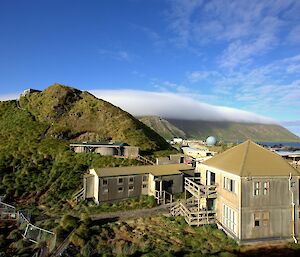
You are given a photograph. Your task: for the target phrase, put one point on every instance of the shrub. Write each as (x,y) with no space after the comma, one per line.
(77,240)
(68,222)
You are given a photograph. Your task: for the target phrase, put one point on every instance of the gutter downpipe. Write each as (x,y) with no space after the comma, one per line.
(293,210)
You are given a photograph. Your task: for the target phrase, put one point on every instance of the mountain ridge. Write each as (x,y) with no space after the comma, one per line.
(224,130)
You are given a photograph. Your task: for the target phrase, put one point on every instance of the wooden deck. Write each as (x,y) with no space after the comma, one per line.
(198,190)
(191,209)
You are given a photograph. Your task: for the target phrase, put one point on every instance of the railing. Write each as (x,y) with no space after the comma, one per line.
(2,197)
(163,197)
(32,233)
(79,195)
(193,216)
(145,160)
(8,212)
(199,190)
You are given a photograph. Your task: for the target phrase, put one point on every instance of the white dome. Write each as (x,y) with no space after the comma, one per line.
(211,140)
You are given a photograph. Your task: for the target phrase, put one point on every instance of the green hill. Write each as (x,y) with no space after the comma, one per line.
(229,131)
(162,127)
(76,115)
(36,165)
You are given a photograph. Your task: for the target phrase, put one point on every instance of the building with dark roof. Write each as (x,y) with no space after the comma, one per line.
(160,181)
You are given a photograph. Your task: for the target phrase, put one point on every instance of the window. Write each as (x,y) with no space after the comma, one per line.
(145,185)
(120,189)
(256,188)
(145,178)
(256,219)
(105,190)
(131,180)
(229,184)
(229,218)
(131,188)
(104,182)
(261,219)
(266,188)
(120,181)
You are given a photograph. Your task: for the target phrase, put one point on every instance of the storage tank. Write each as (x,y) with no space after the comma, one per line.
(106,151)
(211,140)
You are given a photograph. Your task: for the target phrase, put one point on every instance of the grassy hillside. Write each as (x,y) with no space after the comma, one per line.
(39,169)
(75,115)
(162,127)
(231,131)
(36,165)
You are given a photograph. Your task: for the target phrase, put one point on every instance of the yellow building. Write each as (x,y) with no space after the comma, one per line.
(250,192)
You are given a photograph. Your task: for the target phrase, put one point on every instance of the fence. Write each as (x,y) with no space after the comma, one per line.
(30,232)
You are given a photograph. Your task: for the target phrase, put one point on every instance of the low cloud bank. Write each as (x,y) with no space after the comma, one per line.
(9,97)
(176,106)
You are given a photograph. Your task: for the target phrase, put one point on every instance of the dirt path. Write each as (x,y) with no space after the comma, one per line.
(132,213)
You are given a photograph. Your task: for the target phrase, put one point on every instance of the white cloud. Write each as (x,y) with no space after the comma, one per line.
(12,96)
(246,28)
(196,76)
(118,54)
(294,35)
(239,52)
(174,105)
(272,88)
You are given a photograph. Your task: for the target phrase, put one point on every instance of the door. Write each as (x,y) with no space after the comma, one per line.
(210,178)
(167,186)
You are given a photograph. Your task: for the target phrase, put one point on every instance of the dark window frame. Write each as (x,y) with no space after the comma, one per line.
(120,181)
(104,180)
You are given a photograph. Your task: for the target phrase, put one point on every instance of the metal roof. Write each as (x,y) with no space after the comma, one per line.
(98,144)
(250,159)
(156,170)
(288,153)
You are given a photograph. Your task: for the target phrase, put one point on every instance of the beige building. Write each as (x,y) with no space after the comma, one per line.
(198,153)
(160,181)
(106,149)
(250,192)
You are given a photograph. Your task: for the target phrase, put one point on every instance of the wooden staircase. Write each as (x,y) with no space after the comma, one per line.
(145,160)
(79,196)
(163,197)
(193,215)
(191,209)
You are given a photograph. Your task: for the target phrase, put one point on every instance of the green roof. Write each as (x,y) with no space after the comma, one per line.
(250,159)
(156,170)
(101,144)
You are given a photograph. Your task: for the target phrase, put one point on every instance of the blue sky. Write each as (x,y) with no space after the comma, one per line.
(235,54)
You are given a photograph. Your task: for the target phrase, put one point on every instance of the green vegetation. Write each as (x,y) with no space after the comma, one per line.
(36,166)
(228,131)
(39,173)
(153,236)
(74,115)
(162,127)
(233,131)
(133,203)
